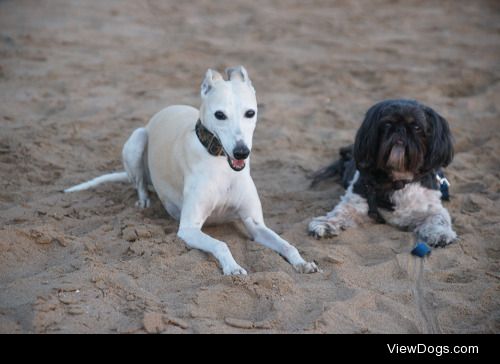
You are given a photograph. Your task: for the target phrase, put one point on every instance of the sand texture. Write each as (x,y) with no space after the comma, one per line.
(77,77)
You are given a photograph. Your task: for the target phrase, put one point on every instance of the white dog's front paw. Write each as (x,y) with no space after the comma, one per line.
(306,267)
(320,227)
(143,203)
(234,270)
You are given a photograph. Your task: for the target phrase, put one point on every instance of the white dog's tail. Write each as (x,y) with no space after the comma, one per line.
(110,177)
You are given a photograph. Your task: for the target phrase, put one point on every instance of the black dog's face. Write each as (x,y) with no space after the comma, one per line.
(402,138)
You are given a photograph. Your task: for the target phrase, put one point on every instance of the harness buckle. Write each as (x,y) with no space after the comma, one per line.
(442,180)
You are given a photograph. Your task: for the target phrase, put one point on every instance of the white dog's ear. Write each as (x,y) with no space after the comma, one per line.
(238,73)
(210,77)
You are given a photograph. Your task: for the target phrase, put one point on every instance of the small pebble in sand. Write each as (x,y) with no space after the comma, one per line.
(68,298)
(177,322)
(76,310)
(241,324)
(153,322)
(129,234)
(143,233)
(333,260)
(130,297)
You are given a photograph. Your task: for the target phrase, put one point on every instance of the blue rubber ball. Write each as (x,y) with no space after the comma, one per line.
(421,249)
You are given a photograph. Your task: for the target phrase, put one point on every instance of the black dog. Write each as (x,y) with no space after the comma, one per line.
(394,165)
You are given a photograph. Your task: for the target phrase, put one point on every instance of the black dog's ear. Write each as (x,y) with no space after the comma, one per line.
(366,143)
(439,140)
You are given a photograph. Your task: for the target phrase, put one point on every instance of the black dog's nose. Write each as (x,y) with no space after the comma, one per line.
(241,151)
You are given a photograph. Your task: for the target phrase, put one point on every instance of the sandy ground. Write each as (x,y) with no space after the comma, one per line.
(76,77)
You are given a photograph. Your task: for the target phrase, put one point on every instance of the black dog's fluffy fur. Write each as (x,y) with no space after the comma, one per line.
(399,142)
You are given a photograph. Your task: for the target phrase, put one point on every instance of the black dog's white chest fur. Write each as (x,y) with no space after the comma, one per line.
(411,205)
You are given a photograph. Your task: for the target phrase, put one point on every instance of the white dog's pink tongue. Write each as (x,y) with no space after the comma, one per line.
(238,164)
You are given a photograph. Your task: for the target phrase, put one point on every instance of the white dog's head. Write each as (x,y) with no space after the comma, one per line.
(229,111)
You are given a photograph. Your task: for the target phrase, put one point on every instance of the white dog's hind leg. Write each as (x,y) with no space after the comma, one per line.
(350,211)
(134,154)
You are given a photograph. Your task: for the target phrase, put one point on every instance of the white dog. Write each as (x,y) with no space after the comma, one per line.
(195,160)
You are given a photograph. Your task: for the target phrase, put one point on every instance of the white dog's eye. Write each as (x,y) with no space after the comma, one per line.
(250,113)
(219,115)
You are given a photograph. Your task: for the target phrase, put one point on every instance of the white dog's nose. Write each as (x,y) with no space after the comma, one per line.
(241,151)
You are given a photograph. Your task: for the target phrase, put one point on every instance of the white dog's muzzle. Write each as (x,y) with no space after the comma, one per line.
(213,146)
